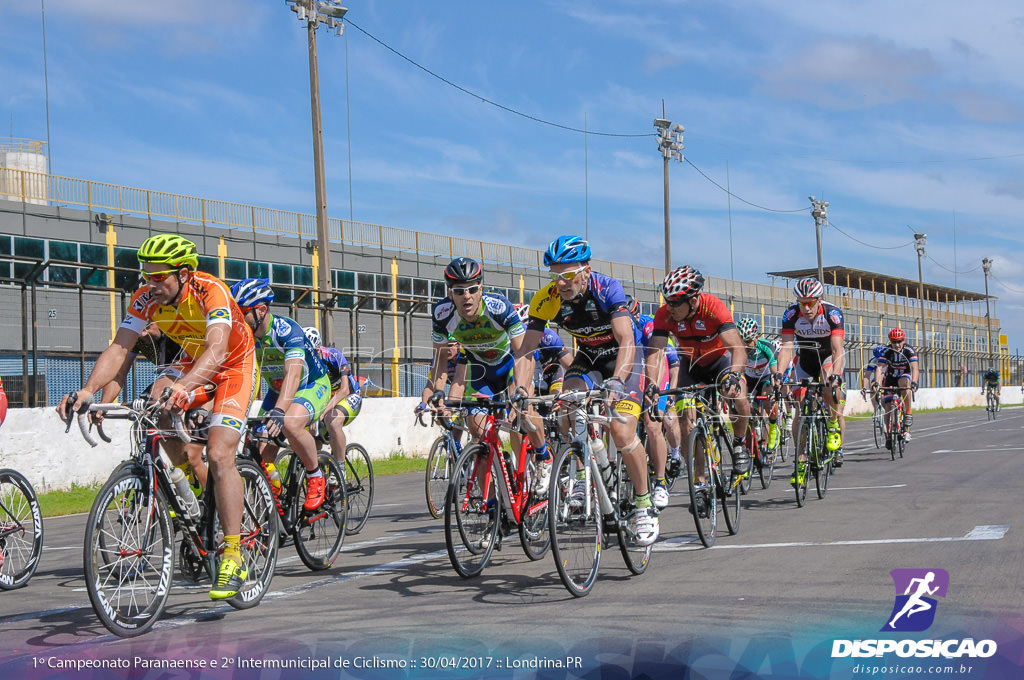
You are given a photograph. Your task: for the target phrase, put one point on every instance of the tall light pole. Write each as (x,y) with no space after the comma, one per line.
(314,13)
(819,211)
(670,143)
(919,242)
(986,266)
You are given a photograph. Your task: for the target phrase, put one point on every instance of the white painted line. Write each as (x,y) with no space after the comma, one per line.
(861,488)
(1017,449)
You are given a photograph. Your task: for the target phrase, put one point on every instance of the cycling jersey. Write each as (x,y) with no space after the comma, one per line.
(761,360)
(338,369)
(897,362)
(587,318)
(813,337)
(488,340)
(158,350)
(550,349)
(286,340)
(672,355)
(991,378)
(869,368)
(699,337)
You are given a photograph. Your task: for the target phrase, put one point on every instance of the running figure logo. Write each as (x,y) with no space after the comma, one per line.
(916,589)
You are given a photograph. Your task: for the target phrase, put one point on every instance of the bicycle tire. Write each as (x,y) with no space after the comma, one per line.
(533,524)
(822,467)
(728,488)
(576,530)
(705,519)
(21,538)
(785,436)
(901,440)
(767,468)
(358,487)
(128,554)
(319,535)
(803,445)
(438,473)
(471,527)
(635,556)
(260,535)
(877,427)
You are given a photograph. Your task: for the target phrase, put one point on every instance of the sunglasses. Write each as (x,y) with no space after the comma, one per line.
(156,277)
(468,290)
(567,276)
(807,303)
(677,302)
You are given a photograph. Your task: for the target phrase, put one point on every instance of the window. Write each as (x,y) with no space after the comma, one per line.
(421,288)
(26,247)
(383,283)
(91,254)
(127,258)
(281,276)
(344,280)
(62,250)
(302,276)
(258,270)
(365,283)
(404,286)
(210,265)
(437,290)
(234,270)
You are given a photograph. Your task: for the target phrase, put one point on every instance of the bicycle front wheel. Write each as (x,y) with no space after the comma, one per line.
(471,511)
(803,457)
(259,539)
(358,487)
(320,534)
(129,554)
(703,496)
(635,555)
(21,530)
(822,467)
(575,519)
(437,475)
(533,525)
(728,485)
(878,428)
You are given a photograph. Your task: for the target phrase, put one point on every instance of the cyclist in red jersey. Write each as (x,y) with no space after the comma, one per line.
(710,351)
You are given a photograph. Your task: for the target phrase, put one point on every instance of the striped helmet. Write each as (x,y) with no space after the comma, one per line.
(251,292)
(808,289)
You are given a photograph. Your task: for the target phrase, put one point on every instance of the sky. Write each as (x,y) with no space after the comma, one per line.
(467,118)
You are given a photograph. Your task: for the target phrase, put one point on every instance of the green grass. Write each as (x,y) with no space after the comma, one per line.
(79,498)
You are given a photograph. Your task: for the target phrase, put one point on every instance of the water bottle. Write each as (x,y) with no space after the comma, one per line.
(275,478)
(185,493)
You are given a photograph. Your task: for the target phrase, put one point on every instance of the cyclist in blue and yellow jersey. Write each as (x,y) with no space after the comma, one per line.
(898,368)
(815,328)
(487,328)
(592,307)
(196,311)
(761,363)
(299,386)
(552,357)
(346,396)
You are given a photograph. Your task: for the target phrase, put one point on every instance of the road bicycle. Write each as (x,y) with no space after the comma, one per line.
(318,534)
(991,403)
(129,549)
(358,471)
(443,453)
(21,530)
(877,421)
(712,485)
(489,495)
(812,455)
(895,425)
(590,506)
(762,459)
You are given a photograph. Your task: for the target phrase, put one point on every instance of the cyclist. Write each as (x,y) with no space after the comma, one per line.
(815,328)
(195,310)
(592,308)
(899,366)
(657,446)
(552,357)
(868,375)
(761,363)
(487,328)
(346,398)
(299,388)
(710,351)
(990,381)
(454,375)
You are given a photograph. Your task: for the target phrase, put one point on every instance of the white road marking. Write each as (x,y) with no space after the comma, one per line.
(986,532)
(861,488)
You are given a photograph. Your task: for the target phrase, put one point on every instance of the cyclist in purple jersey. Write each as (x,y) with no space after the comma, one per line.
(346,400)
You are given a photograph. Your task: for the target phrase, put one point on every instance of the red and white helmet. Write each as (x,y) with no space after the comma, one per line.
(682,282)
(897,335)
(808,289)
(523,311)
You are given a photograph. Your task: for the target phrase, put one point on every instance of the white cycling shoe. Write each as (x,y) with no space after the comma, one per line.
(659,496)
(645,525)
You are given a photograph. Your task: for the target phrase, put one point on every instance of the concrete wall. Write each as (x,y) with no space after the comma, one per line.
(33,440)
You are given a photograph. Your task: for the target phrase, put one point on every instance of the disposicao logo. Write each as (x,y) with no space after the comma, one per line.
(914,611)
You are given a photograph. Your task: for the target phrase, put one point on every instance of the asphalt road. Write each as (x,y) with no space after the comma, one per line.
(771,599)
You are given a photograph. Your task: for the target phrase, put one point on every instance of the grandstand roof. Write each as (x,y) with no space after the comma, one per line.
(870,281)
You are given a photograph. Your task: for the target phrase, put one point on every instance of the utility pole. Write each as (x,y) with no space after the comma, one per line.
(919,242)
(670,143)
(986,266)
(819,211)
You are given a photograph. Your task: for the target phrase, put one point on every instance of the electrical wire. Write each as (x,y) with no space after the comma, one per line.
(864,243)
(740,198)
(485,99)
(953,271)
(1009,288)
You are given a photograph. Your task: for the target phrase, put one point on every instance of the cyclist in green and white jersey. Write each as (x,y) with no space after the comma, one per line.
(300,386)
(761,363)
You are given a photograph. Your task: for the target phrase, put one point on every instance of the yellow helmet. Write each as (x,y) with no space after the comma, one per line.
(169,249)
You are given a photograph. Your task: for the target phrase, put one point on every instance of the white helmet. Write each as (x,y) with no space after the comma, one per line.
(313,335)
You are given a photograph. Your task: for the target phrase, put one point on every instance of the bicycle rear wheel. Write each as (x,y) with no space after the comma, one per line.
(767,467)
(128,554)
(437,475)
(878,427)
(575,523)
(259,538)
(703,496)
(900,441)
(728,485)
(21,530)
(319,535)
(635,555)
(533,527)
(471,511)
(358,487)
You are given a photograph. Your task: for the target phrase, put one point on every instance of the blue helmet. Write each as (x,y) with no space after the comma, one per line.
(567,249)
(251,292)
(878,351)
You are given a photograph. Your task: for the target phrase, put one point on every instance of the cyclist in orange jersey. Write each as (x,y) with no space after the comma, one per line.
(195,310)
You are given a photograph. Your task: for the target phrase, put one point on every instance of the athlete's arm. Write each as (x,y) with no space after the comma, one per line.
(107,366)
(525,361)
(622,330)
(655,360)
